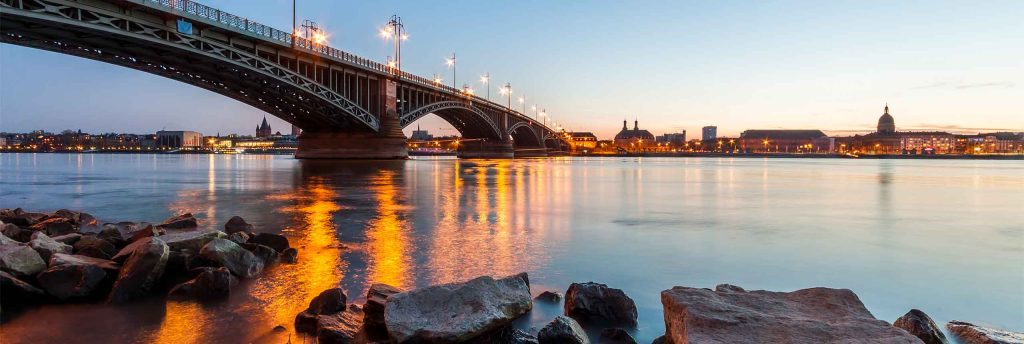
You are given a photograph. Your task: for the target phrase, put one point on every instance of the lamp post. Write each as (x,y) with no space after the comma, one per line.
(535,115)
(522,101)
(395,29)
(507,91)
(451,63)
(486,79)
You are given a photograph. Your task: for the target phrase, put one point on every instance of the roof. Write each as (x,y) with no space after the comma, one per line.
(634,134)
(582,134)
(795,134)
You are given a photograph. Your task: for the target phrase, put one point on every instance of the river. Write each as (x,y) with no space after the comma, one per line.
(944,236)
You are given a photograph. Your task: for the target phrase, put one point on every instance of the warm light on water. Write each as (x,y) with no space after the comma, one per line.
(943,236)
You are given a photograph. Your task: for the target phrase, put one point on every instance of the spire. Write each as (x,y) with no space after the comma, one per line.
(264,125)
(624,124)
(886,107)
(636,124)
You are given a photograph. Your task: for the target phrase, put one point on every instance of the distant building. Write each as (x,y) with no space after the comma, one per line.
(179,139)
(887,140)
(635,139)
(263,130)
(709,133)
(420,135)
(582,140)
(991,143)
(672,140)
(793,141)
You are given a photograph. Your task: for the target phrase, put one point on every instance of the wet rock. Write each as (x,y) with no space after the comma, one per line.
(616,335)
(279,328)
(728,287)
(599,302)
(376,299)
(277,242)
(113,236)
(265,254)
(190,240)
(178,268)
(456,312)
(71,276)
(562,330)
(4,240)
(815,315)
(16,233)
(329,301)
(182,221)
(306,322)
(25,219)
(209,284)
(506,335)
(240,261)
(92,246)
(969,333)
(921,326)
(146,231)
(54,226)
(144,266)
(237,224)
(290,255)
(80,219)
(341,327)
(68,239)
(46,246)
(239,237)
(549,296)
(17,292)
(20,261)
(659,340)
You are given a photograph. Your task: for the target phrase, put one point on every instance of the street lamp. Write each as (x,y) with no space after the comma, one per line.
(535,115)
(451,64)
(522,101)
(486,79)
(394,29)
(437,80)
(507,91)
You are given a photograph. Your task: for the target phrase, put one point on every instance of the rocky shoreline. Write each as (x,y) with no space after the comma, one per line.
(67,256)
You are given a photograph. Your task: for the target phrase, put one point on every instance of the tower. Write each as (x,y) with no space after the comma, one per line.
(886,124)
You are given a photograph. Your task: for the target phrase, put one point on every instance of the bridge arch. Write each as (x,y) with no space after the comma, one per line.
(524,134)
(469,120)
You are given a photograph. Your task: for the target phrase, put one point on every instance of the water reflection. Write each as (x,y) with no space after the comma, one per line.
(388,242)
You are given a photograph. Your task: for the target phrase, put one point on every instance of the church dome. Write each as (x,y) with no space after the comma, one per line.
(886,124)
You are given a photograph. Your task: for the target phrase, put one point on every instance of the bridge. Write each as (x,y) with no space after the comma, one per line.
(346,105)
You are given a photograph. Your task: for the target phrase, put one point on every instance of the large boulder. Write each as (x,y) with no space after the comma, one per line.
(144,266)
(227,253)
(328,302)
(16,233)
(373,310)
(71,276)
(191,240)
(92,246)
(54,226)
(921,326)
(341,327)
(5,240)
(182,221)
(277,242)
(456,312)
(504,335)
(239,237)
(597,301)
(209,284)
(24,219)
(815,315)
(146,231)
(17,292)
(68,239)
(80,219)
(20,261)
(265,254)
(113,235)
(237,224)
(290,255)
(46,246)
(549,296)
(562,330)
(969,333)
(616,335)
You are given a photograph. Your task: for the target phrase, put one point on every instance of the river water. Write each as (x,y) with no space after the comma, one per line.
(944,236)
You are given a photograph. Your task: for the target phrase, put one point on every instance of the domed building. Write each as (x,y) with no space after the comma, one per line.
(635,139)
(886,140)
(886,124)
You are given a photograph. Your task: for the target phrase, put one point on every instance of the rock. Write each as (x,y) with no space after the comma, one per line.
(456,312)
(562,330)
(16,233)
(4,240)
(237,224)
(54,226)
(549,296)
(71,276)
(191,240)
(277,242)
(20,261)
(279,328)
(182,221)
(47,246)
(815,315)
(341,328)
(140,271)
(616,335)
(240,261)
(973,334)
(210,284)
(78,218)
(178,267)
(506,335)
(265,254)
(306,322)
(127,251)
(290,255)
(147,231)
(17,292)
(25,219)
(373,310)
(113,236)
(659,340)
(597,301)
(92,246)
(239,237)
(728,287)
(329,301)
(921,326)
(68,239)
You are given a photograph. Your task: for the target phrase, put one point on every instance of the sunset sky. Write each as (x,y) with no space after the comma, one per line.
(674,65)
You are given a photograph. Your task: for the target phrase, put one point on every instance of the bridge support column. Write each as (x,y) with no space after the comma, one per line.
(531,153)
(387,143)
(486,150)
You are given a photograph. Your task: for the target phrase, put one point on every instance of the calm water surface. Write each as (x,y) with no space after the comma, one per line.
(943,236)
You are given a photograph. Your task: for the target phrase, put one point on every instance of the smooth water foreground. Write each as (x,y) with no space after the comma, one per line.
(944,236)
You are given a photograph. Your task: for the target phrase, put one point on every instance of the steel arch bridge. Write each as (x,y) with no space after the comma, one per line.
(347,106)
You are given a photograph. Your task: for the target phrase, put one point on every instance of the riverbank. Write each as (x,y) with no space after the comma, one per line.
(414,153)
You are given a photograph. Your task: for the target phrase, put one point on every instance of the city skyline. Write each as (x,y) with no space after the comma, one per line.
(925,61)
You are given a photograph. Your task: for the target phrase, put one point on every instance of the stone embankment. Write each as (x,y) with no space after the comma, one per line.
(483,309)
(68,256)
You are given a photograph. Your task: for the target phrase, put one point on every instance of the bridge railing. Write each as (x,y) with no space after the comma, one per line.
(265,31)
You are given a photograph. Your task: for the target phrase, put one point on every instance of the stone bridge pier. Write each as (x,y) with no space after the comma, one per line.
(483,149)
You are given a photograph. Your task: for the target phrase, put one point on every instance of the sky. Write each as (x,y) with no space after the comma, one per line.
(672,65)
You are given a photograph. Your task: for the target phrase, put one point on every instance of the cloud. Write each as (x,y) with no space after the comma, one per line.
(1002,84)
(965,86)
